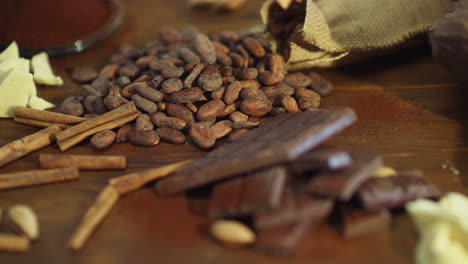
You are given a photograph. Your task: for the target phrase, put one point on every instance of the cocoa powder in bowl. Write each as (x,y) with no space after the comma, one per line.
(43,24)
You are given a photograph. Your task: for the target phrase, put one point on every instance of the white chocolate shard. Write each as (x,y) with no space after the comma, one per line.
(43,73)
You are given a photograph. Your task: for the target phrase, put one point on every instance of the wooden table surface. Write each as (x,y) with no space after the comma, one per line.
(411,110)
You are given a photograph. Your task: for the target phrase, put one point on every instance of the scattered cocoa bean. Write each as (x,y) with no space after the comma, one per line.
(123,81)
(144,105)
(72,106)
(220,130)
(202,136)
(245,55)
(277,64)
(172,72)
(188,95)
(306,103)
(176,61)
(256,106)
(237,60)
(156,81)
(169,35)
(149,93)
(232,92)
(195,71)
(289,103)
(146,138)
(246,74)
(113,101)
(181,112)
(188,56)
(297,80)
(143,78)
(144,62)
(204,48)
(319,84)
(304,92)
(101,84)
(123,133)
(130,89)
(254,47)
(172,85)
(238,116)
(210,79)
(143,122)
(223,59)
(129,70)
(218,93)
(103,139)
(228,109)
(109,71)
(160,119)
(159,65)
(226,71)
(171,135)
(210,110)
(270,78)
(192,107)
(95,105)
(84,74)
(219,47)
(207,123)
(251,92)
(86,90)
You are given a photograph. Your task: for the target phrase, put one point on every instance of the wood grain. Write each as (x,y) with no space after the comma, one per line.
(424,126)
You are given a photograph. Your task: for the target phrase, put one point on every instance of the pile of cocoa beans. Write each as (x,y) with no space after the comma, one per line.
(193,87)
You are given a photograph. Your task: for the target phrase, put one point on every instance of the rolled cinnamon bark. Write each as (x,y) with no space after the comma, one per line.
(14,243)
(37,123)
(82,162)
(46,116)
(36,177)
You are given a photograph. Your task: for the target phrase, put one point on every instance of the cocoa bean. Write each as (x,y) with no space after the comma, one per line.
(251,92)
(143,122)
(129,51)
(297,80)
(204,48)
(232,92)
(218,93)
(210,110)
(144,62)
(169,35)
(228,109)
(254,47)
(220,130)
(113,101)
(270,78)
(160,119)
(84,74)
(156,81)
(176,61)
(149,93)
(244,124)
(123,133)
(159,65)
(277,89)
(227,123)
(101,84)
(144,105)
(129,70)
(245,55)
(181,112)
(171,135)
(86,90)
(146,138)
(289,103)
(277,110)
(119,59)
(172,85)
(188,56)
(95,105)
(123,81)
(220,47)
(130,89)
(172,72)
(72,106)
(202,136)
(304,92)
(103,139)
(277,64)
(246,74)
(237,133)
(319,84)
(109,71)
(196,70)
(226,71)
(161,106)
(237,60)
(229,37)
(238,116)
(256,106)
(210,79)
(188,95)
(207,123)
(192,107)
(223,59)
(228,80)
(143,78)
(250,83)
(306,103)
(260,66)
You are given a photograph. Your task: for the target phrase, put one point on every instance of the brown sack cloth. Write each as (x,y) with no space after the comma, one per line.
(335,32)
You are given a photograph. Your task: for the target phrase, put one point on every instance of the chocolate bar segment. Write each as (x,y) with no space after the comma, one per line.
(281,139)
(357,222)
(389,192)
(295,208)
(260,191)
(342,184)
(320,158)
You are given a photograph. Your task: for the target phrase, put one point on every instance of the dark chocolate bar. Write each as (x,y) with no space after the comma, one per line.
(320,158)
(283,240)
(281,139)
(356,222)
(295,207)
(260,191)
(342,184)
(394,191)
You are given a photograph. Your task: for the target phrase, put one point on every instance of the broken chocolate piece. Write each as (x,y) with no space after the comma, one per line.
(342,184)
(356,222)
(260,191)
(283,138)
(295,207)
(389,192)
(321,158)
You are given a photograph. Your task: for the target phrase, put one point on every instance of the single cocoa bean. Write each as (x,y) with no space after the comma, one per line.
(289,103)
(260,66)
(228,109)
(210,79)
(181,112)
(159,65)
(188,95)
(144,105)
(245,55)
(188,56)
(146,138)
(161,106)
(220,47)
(207,123)
(277,89)
(306,103)
(103,139)
(123,133)
(218,93)
(321,85)
(109,71)
(123,81)
(176,61)
(129,70)
(144,78)
(98,107)
(156,81)
(84,74)
(220,130)
(228,80)
(210,110)
(72,106)
(144,62)
(86,90)
(172,72)
(226,71)
(160,119)
(101,84)
(251,92)
(172,85)
(297,80)
(246,74)
(194,72)
(223,59)
(237,133)
(169,35)
(143,122)
(244,124)
(238,116)
(232,92)
(130,89)
(192,107)
(256,106)
(149,93)
(304,92)
(202,136)
(171,135)
(254,47)
(277,64)
(204,48)
(237,60)
(113,101)
(270,78)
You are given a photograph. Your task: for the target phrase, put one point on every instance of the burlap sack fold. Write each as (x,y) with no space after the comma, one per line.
(337,32)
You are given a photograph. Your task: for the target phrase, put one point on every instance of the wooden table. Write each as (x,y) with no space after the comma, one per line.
(411,111)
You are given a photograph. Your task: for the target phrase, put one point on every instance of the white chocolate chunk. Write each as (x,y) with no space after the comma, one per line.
(11,52)
(16,87)
(16,63)
(24,218)
(43,71)
(39,103)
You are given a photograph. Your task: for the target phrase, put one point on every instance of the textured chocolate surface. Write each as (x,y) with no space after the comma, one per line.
(357,222)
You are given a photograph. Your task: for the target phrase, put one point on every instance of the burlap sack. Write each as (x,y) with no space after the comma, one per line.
(337,32)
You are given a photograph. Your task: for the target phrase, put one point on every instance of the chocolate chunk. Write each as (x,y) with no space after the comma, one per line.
(320,158)
(284,138)
(256,192)
(342,184)
(296,206)
(356,222)
(389,192)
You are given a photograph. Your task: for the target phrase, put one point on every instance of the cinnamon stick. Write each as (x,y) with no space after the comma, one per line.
(69,142)
(14,243)
(37,123)
(19,148)
(82,162)
(118,113)
(36,177)
(93,217)
(46,116)
(133,181)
